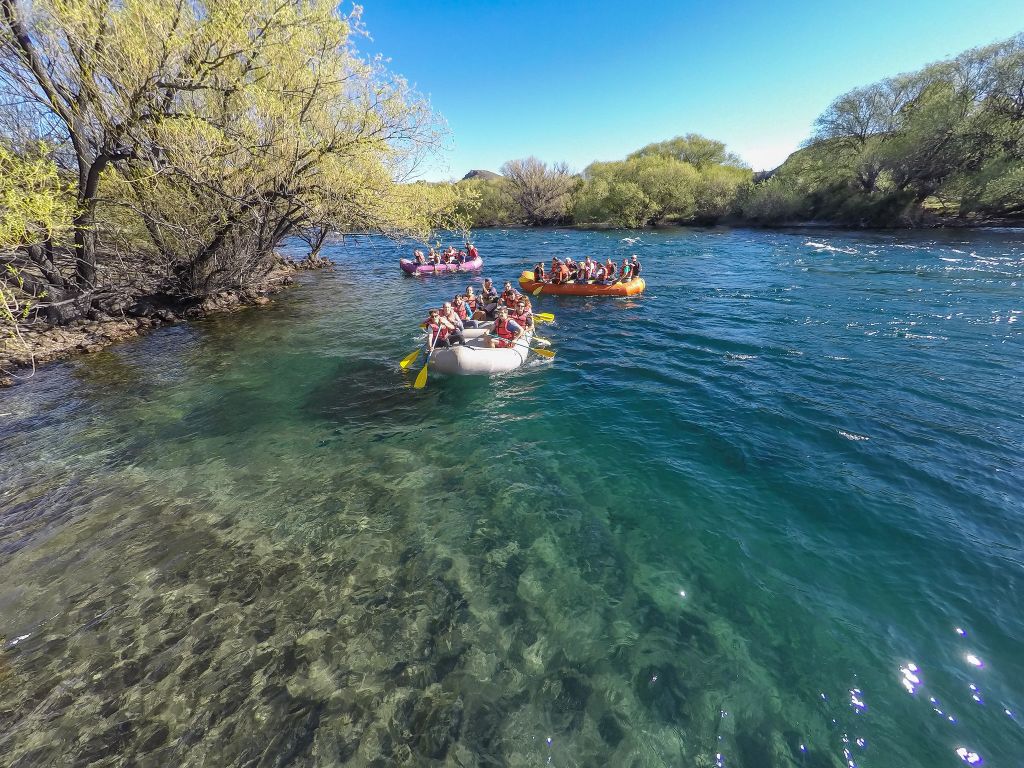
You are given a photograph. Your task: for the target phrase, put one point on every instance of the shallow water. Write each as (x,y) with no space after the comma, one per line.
(768,514)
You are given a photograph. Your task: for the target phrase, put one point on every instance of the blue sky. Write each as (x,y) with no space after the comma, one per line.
(584,81)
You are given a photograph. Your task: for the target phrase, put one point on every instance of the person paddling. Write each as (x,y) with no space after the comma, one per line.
(506,332)
(521,314)
(443,331)
(624,271)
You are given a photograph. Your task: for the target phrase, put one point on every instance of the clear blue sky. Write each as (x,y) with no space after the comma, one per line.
(584,81)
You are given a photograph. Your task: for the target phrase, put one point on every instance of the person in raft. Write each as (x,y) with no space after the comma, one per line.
(434,258)
(560,272)
(420,258)
(473,304)
(471,251)
(624,271)
(606,272)
(589,267)
(538,273)
(506,332)
(634,267)
(461,307)
(489,297)
(448,313)
(509,297)
(442,332)
(522,314)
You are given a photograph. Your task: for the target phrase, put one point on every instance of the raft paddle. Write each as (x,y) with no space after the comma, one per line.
(410,358)
(543,352)
(544,317)
(421,377)
(537,290)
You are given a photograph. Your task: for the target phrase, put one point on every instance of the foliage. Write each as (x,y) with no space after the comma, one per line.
(951,134)
(215,130)
(774,201)
(35,203)
(542,193)
(693,149)
(488,202)
(656,184)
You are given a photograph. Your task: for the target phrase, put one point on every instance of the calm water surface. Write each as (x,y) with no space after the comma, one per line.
(768,514)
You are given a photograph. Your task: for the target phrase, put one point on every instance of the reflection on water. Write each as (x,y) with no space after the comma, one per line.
(765,515)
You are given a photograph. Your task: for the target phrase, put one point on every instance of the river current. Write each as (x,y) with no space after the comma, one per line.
(770,513)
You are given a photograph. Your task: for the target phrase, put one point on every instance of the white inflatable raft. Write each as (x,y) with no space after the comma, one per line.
(476,358)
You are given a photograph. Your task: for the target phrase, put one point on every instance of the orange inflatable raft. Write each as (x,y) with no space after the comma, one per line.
(629,288)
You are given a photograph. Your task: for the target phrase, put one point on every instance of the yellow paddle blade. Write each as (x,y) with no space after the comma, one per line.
(421,379)
(408,359)
(543,352)
(544,317)
(539,340)
(537,290)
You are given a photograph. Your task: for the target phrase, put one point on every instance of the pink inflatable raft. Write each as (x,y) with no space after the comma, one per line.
(410,267)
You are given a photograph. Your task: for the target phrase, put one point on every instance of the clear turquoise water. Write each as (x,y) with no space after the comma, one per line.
(716,530)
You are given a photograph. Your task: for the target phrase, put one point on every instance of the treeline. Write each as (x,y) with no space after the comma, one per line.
(944,145)
(688,179)
(162,147)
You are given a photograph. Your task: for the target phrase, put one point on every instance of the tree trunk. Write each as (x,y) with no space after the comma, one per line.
(85,250)
(85,223)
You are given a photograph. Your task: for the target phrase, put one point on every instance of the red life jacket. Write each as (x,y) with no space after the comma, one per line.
(436,331)
(460,310)
(501,329)
(523,320)
(471,303)
(472,251)
(510,298)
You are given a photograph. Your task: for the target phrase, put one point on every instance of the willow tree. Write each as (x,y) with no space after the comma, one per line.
(222,126)
(951,133)
(543,193)
(35,214)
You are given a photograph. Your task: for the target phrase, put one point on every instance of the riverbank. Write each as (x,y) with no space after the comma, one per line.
(41,342)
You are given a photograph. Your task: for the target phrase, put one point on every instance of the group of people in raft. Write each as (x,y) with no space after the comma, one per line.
(510,311)
(448,256)
(569,271)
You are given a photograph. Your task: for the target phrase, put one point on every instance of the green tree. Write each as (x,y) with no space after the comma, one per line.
(489,202)
(699,151)
(226,126)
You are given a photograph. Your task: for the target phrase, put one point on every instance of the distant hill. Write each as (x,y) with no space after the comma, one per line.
(481,175)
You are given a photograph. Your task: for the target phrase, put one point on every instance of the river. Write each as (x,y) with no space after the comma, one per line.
(767,514)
